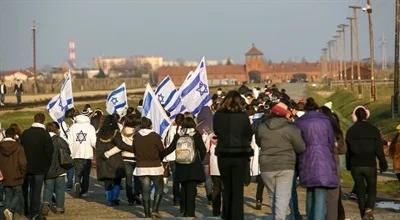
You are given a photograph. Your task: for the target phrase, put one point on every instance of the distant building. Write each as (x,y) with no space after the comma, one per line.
(255,69)
(365,73)
(154,61)
(106,63)
(12,75)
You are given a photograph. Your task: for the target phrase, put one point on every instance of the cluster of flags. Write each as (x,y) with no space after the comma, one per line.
(192,96)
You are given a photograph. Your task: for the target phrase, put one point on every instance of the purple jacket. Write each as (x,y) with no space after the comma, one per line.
(317,166)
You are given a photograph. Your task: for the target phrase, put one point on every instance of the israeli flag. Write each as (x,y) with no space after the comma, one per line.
(194,92)
(166,91)
(117,101)
(153,110)
(60,103)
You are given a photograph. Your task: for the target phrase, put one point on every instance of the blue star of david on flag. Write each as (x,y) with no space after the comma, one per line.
(202,88)
(114,100)
(160,98)
(81,137)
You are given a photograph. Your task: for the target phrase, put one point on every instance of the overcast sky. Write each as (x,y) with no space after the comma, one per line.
(188,29)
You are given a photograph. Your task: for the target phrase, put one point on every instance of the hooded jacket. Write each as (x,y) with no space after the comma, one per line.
(317,164)
(38,149)
(82,138)
(147,146)
(279,141)
(12,162)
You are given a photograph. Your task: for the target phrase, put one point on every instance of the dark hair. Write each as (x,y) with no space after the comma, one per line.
(179,119)
(232,102)
(140,102)
(311,105)
(131,121)
(52,127)
(10,133)
(130,111)
(16,127)
(145,123)
(333,118)
(39,118)
(188,123)
(108,127)
(70,113)
(87,106)
(361,114)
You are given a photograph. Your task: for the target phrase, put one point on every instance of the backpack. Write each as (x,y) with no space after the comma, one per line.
(185,150)
(64,155)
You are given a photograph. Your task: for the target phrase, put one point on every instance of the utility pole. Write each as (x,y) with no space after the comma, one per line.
(343,29)
(357,48)
(324,62)
(35,89)
(351,53)
(336,52)
(371,50)
(396,94)
(330,58)
(383,50)
(340,54)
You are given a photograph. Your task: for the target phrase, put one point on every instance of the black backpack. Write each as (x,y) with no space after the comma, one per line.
(64,154)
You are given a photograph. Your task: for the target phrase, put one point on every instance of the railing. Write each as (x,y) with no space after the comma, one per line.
(363,82)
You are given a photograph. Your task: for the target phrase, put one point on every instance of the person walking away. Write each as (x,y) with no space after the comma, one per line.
(364,144)
(82,140)
(394,152)
(317,165)
(54,184)
(147,146)
(233,130)
(3,92)
(188,172)
(110,168)
(39,152)
(279,141)
(13,168)
(335,210)
(64,129)
(170,158)
(211,144)
(18,90)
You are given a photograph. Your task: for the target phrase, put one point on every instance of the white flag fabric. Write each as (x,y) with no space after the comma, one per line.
(194,92)
(153,110)
(117,101)
(60,103)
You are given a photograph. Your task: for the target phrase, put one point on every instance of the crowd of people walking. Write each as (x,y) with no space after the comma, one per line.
(258,134)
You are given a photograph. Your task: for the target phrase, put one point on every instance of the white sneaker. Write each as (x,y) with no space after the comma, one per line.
(8,214)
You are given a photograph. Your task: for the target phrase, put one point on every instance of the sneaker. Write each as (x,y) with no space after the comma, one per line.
(369,215)
(77,190)
(85,195)
(8,214)
(45,209)
(258,205)
(353,196)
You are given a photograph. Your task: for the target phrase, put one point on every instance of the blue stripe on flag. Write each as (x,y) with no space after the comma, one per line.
(147,104)
(119,106)
(113,93)
(169,97)
(176,103)
(51,105)
(202,104)
(164,125)
(162,84)
(191,86)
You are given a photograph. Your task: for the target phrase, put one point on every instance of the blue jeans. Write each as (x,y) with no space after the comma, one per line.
(32,191)
(54,186)
(70,178)
(294,202)
(132,183)
(316,203)
(14,200)
(1,192)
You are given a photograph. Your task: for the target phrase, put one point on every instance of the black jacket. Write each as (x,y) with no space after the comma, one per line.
(193,171)
(55,169)
(113,167)
(364,145)
(234,134)
(4,88)
(38,150)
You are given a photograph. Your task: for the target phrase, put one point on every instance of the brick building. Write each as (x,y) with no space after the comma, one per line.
(255,69)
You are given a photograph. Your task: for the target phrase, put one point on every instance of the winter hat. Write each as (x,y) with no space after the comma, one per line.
(280,109)
(353,115)
(328,105)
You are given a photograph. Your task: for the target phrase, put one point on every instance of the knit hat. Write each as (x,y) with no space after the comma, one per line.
(279,109)
(353,115)
(328,105)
